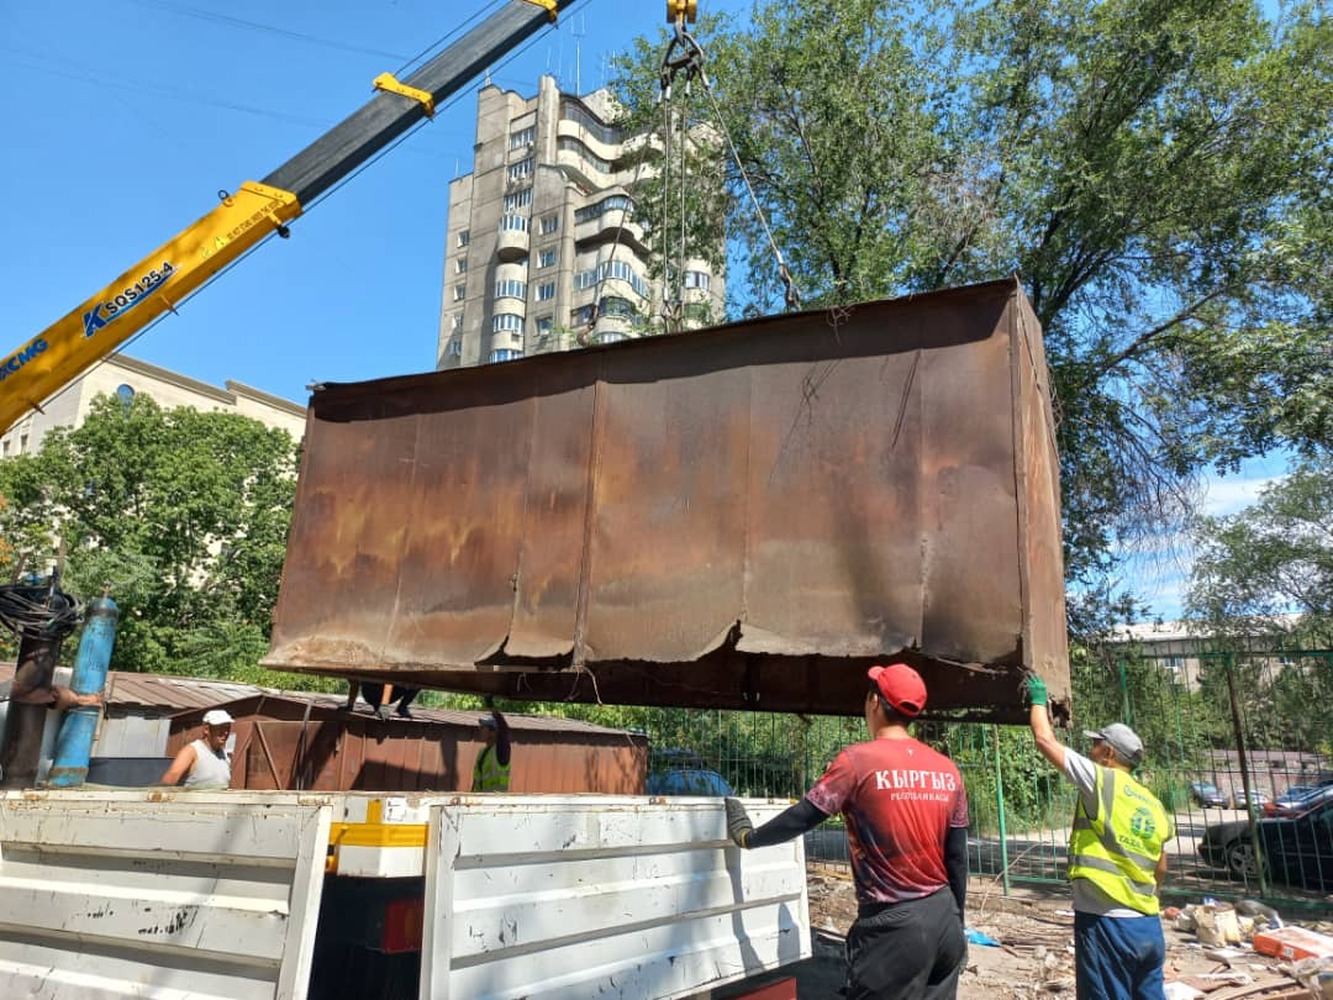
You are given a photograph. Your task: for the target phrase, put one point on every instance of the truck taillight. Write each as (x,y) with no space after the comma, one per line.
(402,926)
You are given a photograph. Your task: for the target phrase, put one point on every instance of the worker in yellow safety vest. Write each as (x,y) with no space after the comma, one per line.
(490,773)
(1116,861)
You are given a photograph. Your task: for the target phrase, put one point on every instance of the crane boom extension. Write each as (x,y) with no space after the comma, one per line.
(163,279)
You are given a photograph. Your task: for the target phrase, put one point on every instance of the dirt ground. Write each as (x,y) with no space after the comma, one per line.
(1036,957)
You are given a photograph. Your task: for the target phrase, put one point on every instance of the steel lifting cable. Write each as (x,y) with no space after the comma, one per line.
(690,60)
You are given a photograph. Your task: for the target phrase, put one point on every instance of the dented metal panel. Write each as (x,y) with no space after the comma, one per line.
(565,898)
(742,517)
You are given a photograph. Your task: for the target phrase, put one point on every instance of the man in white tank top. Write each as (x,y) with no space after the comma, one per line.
(204,763)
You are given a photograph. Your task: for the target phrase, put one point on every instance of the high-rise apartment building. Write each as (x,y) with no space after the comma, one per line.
(543,251)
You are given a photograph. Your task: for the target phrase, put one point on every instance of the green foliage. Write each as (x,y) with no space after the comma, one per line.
(182,514)
(1273,558)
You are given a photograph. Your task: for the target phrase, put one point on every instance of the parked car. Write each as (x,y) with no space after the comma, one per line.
(1299,848)
(677,771)
(1299,799)
(1257,798)
(1205,794)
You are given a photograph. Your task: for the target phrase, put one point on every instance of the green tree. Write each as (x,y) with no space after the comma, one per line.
(183,514)
(1157,172)
(1271,559)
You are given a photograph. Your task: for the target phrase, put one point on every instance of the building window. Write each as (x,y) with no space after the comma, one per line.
(4,448)
(521,169)
(506,321)
(614,269)
(513,223)
(545,324)
(511,288)
(464,238)
(613,305)
(518,199)
(460,292)
(23,444)
(571,145)
(610,337)
(574,111)
(505,354)
(615,203)
(545,291)
(460,266)
(546,258)
(455,348)
(523,137)
(550,223)
(696,279)
(456,322)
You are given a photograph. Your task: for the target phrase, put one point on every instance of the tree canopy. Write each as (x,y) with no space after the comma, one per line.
(183,514)
(1273,560)
(1156,172)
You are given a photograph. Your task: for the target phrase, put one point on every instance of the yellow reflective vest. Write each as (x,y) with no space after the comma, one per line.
(1117,850)
(488,774)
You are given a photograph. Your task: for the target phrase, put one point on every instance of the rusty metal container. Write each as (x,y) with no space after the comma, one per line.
(743,517)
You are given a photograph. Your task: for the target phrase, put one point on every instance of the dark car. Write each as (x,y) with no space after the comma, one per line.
(682,772)
(1205,794)
(1299,848)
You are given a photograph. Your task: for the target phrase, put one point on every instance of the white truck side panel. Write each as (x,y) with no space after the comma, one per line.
(161,895)
(563,898)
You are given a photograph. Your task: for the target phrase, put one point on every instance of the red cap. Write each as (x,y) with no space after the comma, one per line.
(901,686)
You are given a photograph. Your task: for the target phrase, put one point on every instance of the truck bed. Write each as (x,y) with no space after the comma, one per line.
(168,894)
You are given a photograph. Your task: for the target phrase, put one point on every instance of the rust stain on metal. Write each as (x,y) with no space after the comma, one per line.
(743,517)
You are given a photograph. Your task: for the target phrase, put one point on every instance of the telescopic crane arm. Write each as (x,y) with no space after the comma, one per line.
(252,213)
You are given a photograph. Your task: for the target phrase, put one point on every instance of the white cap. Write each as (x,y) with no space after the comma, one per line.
(217,717)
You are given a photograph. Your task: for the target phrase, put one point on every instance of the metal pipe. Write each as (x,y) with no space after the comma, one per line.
(74,745)
(999,805)
(22,750)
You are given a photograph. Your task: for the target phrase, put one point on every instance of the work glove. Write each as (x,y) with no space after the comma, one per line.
(739,826)
(1036,689)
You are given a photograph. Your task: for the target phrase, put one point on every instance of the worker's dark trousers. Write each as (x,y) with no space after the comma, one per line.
(906,951)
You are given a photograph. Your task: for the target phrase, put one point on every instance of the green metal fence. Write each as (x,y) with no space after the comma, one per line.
(1222,727)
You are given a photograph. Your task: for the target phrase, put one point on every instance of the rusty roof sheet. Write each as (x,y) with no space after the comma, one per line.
(744,517)
(171,695)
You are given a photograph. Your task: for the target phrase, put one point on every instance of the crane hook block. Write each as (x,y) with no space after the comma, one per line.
(678,10)
(389,82)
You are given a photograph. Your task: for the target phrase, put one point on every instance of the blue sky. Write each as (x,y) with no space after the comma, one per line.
(125,117)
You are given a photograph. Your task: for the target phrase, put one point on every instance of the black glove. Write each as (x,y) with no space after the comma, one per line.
(739,826)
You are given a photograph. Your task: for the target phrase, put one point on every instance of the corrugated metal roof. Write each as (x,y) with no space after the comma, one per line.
(173,695)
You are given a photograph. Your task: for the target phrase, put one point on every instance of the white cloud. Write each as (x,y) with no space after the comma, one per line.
(1223,497)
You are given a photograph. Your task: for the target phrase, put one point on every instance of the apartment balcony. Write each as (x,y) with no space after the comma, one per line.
(513,243)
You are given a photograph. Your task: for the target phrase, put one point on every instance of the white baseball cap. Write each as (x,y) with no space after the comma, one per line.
(217,717)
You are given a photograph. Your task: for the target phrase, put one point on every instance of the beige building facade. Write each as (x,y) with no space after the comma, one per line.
(127,377)
(543,251)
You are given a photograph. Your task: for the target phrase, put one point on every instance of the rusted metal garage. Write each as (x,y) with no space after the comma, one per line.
(741,517)
(295,741)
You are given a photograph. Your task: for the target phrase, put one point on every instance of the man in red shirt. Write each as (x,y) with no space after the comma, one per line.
(906,815)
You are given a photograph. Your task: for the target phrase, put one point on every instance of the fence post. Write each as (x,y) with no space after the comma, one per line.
(1124,693)
(1256,846)
(999,811)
